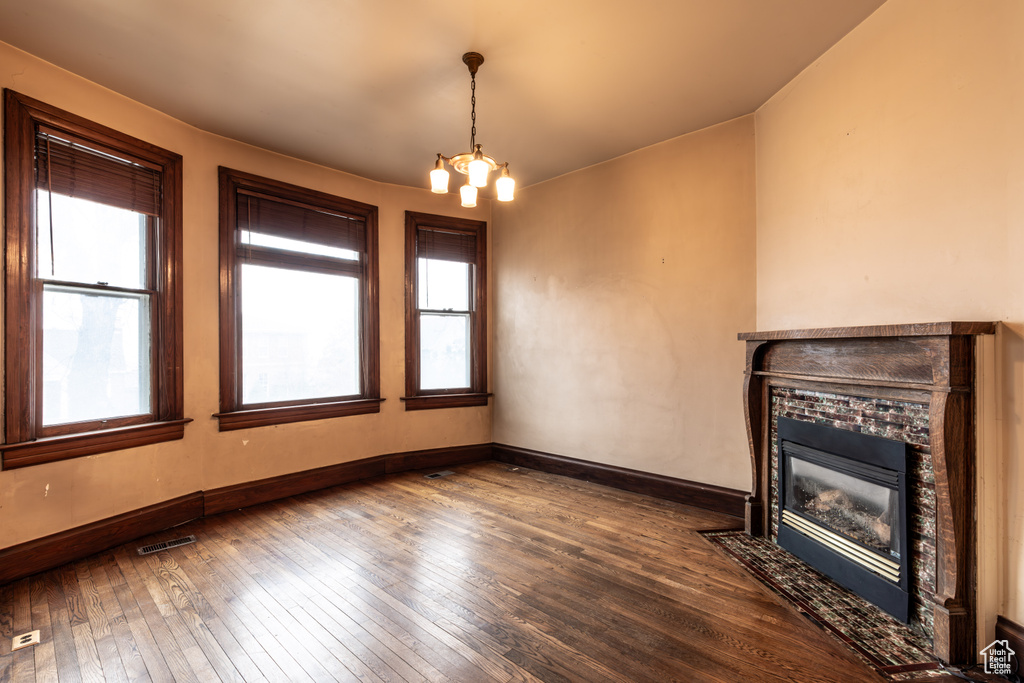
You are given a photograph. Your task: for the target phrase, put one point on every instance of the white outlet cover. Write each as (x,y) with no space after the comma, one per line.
(25,640)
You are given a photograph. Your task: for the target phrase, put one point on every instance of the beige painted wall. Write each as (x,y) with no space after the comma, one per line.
(890,189)
(40,500)
(619,291)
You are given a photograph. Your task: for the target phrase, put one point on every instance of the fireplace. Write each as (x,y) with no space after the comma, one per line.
(843,509)
(913,383)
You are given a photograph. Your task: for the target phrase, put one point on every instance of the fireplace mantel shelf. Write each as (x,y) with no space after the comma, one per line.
(943,329)
(929,363)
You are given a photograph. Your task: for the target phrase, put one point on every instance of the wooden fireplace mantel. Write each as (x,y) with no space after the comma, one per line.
(910,330)
(929,363)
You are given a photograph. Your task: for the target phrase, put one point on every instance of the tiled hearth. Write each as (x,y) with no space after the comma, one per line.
(908,383)
(894,650)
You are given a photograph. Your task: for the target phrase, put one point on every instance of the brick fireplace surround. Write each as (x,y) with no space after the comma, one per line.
(912,383)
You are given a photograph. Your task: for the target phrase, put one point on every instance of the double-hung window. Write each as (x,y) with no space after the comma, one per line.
(446,312)
(299,326)
(92,328)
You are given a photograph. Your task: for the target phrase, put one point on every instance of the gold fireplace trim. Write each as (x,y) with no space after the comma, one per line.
(882,566)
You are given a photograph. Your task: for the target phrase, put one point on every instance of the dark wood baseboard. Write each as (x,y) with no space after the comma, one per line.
(265,490)
(1012,632)
(707,496)
(249,493)
(51,551)
(25,559)
(41,554)
(436,457)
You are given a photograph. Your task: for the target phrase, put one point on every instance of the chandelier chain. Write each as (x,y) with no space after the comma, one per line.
(472,133)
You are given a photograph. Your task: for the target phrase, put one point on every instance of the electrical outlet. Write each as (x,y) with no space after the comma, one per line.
(25,640)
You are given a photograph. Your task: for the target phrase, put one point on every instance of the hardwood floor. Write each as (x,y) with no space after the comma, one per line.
(491,574)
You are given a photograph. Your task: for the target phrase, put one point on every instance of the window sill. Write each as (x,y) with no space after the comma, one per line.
(432,401)
(55,448)
(261,417)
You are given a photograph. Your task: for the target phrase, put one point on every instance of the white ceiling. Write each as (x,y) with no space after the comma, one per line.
(378,87)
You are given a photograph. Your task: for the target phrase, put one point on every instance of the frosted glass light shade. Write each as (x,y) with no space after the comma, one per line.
(478,170)
(468,196)
(439,181)
(506,186)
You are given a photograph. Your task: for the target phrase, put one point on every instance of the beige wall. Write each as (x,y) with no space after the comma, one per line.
(40,500)
(890,189)
(619,291)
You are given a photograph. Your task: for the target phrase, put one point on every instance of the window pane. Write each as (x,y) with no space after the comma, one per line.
(443,285)
(444,351)
(262,240)
(92,242)
(96,355)
(300,335)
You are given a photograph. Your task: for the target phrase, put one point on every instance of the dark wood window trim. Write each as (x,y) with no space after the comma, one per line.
(476,394)
(24,439)
(244,419)
(76,445)
(427,402)
(233,413)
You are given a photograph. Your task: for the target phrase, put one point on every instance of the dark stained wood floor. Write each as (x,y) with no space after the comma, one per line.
(491,574)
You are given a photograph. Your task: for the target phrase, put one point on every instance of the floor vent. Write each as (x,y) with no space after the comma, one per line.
(25,640)
(438,475)
(164,545)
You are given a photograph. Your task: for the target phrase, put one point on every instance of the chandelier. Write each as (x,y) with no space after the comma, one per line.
(474,163)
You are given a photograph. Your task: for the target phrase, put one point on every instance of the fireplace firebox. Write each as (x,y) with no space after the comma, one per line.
(843,509)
